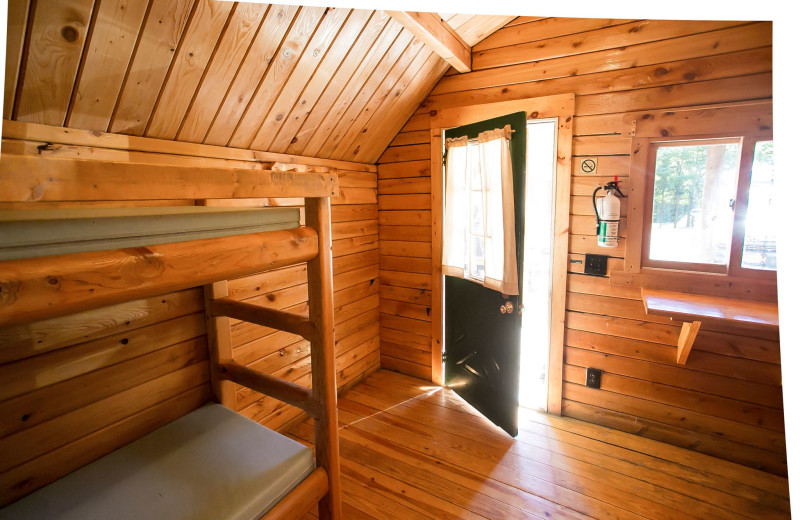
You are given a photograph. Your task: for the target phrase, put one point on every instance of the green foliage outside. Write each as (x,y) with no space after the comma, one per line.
(680,180)
(764,153)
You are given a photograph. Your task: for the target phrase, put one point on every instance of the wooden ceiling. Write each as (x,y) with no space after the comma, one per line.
(330,83)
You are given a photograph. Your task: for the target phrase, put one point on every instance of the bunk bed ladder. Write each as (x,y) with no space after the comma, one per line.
(318,402)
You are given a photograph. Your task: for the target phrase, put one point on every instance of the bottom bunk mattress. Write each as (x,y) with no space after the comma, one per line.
(209,464)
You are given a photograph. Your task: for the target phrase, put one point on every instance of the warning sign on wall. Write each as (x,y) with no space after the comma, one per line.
(589,165)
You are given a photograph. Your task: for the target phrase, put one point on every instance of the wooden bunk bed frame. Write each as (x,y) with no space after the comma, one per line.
(40,288)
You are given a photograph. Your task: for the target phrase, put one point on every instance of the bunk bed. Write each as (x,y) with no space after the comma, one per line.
(212,462)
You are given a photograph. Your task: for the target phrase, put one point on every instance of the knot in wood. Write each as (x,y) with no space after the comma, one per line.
(69,33)
(142,264)
(8,292)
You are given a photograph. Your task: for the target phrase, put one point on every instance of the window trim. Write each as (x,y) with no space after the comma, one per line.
(640,208)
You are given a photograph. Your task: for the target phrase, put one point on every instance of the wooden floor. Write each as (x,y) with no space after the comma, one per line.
(411,450)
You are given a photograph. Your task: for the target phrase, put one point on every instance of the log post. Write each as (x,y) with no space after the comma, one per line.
(323,356)
(220,349)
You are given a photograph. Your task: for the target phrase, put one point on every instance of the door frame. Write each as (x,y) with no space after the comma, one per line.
(560,106)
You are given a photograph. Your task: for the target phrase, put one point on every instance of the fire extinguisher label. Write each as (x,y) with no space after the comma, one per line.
(608,233)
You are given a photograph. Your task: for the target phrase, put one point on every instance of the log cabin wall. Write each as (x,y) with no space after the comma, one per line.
(726,401)
(356,298)
(197,82)
(78,387)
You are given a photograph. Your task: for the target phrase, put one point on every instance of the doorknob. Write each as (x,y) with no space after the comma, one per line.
(507,308)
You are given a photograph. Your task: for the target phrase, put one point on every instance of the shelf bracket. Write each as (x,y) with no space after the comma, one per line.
(686,338)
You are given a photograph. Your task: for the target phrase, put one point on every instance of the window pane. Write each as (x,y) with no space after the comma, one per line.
(693,195)
(476,268)
(759,237)
(476,211)
(475,180)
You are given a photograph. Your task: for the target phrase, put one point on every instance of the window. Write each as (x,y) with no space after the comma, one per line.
(479,233)
(709,205)
(477,230)
(759,231)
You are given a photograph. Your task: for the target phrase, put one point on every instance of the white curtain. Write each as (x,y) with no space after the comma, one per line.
(479,243)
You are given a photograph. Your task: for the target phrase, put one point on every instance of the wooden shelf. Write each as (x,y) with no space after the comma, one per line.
(693,309)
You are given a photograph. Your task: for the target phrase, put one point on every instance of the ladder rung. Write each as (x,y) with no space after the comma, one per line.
(276,319)
(272,386)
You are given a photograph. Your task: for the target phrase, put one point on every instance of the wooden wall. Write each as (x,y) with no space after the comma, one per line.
(404,213)
(355,298)
(77,387)
(727,400)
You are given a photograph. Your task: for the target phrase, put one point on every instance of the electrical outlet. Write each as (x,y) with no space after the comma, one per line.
(596,265)
(593,376)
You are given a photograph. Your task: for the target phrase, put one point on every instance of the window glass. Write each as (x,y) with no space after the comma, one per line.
(476,268)
(693,200)
(759,237)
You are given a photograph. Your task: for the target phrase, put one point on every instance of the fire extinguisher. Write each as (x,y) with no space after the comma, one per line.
(607,214)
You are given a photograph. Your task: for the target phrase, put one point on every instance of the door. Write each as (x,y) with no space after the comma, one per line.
(482,341)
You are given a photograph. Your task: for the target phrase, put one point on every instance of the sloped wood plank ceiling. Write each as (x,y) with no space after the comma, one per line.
(331,83)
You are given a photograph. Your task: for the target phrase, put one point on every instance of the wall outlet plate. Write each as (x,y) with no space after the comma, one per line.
(595,265)
(593,376)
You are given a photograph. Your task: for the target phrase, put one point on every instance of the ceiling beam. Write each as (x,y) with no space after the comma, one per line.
(444,41)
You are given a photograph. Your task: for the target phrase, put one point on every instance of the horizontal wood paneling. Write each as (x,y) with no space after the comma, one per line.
(726,400)
(145,356)
(404,231)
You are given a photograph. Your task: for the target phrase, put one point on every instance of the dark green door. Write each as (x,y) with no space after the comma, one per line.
(482,344)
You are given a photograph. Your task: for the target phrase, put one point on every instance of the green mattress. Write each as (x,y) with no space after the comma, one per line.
(34,233)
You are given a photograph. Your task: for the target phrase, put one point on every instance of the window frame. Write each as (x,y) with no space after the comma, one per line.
(643,158)
(648,206)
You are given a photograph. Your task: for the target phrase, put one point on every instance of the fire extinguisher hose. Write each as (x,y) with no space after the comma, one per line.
(594,205)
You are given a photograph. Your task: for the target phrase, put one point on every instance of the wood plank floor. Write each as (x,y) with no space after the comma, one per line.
(411,451)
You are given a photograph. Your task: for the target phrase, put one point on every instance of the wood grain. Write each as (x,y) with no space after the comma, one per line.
(158,41)
(15,42)
(191,59)
(37,289)
(438,36)
(276,76)
(106,59)
(191,152)
(421,452)
(379,79)
(217,128)
(85,180)
(56,40)
(323,357)
(312,135)
(318,48)
(236,40)
(301,124)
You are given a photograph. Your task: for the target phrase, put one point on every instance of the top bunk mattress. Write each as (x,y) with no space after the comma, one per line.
(35,233)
